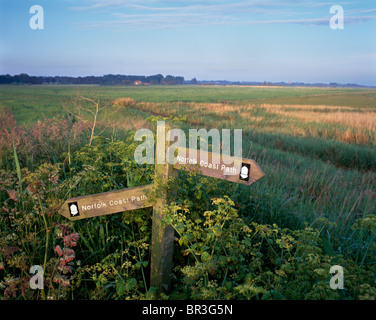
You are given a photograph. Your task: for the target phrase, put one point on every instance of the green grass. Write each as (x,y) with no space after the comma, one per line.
(312,177)
(272,140)
(29,103)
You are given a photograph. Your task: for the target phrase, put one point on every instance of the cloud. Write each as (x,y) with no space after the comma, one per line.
(165,21)
(133,4)
(318,21)
(359,11)
(212,5)
(115,14)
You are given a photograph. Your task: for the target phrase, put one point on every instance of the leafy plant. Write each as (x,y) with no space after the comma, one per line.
(224,258)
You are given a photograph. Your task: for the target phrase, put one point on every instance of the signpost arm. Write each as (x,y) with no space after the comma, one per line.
(162,235)
(243,171)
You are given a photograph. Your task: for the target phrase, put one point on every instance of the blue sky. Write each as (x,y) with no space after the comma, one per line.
(245,40)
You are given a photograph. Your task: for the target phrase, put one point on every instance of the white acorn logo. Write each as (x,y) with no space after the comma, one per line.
(244,172)
(73,209)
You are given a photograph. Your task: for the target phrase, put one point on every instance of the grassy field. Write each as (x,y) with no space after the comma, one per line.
(29,102)
(317,147)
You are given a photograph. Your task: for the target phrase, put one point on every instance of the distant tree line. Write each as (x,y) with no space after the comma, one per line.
(284,84)
(109,79)
(158,79)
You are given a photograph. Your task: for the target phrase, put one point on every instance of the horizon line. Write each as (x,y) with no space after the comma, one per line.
(264,82)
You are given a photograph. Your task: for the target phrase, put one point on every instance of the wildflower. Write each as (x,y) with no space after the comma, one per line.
(69,255)
(58,250)
(64,268)
(13,194)
(71,239)
(61,279)
(61,230)
(9,251)
(10,292)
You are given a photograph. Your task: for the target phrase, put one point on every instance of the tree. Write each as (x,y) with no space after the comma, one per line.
(90,111)
(170,80)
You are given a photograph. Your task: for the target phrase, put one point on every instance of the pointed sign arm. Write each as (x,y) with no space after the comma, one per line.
(107,203)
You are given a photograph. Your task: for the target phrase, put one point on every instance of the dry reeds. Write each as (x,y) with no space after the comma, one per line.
(355,119)
(354,126)
(124,102)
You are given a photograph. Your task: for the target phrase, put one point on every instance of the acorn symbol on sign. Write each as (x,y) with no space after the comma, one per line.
(244,171)
(73,209)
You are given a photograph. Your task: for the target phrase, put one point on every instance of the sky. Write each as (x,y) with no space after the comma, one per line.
(240,40)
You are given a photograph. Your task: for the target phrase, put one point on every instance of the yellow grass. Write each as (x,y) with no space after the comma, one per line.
(124,102)
(360,127)
(354,119)
(342,123)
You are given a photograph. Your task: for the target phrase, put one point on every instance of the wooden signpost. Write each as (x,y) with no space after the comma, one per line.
(243,171)
(101,204)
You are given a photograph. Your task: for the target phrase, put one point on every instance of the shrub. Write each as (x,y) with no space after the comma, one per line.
(47,140)
(124,102)
(221,251)
(221,257)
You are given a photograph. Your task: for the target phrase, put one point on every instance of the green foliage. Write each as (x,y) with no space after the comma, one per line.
(31,227)
(274,240)
(120,270)
(224,258)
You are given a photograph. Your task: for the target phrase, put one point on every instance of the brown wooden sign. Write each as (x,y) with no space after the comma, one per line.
(244,171)
(106,203)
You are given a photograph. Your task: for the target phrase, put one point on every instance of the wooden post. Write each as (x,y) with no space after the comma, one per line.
(162,235)
(244,171)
